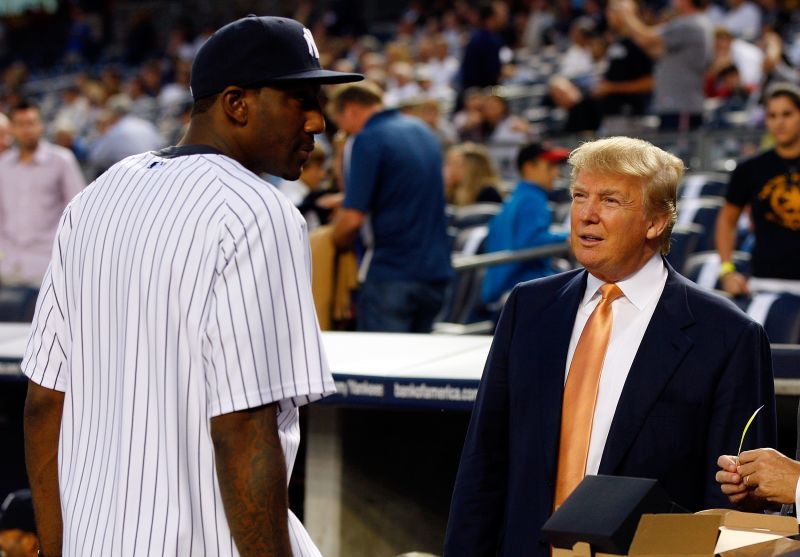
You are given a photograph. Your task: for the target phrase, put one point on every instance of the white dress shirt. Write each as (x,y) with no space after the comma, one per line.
(797,500)
(295,190)
(631,315)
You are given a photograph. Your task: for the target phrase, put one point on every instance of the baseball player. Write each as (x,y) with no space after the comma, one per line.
(175,335)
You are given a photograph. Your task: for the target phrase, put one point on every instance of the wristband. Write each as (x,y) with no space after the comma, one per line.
(726,268)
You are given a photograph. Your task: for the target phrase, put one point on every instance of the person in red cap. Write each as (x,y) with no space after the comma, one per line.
(175,338)
(524,221)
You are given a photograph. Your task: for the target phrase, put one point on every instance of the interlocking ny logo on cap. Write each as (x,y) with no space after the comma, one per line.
(312,47)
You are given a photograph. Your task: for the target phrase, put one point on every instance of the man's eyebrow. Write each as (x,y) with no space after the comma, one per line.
(611,191)
(605,191)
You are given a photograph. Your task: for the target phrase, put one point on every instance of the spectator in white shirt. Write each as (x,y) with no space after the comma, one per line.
(443,66)
(577,60)
(402,86)
(743,19)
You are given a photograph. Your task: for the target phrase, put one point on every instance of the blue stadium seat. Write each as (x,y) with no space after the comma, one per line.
(17,303)
(684,243)
(463,294)
(702,211)
(779,313)
(703,184)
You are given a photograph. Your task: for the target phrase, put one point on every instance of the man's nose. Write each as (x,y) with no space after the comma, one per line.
(315,122)
(587,211)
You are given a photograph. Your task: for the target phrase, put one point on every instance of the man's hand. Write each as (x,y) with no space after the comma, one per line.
(346,224)
(769,475)
(646,36)
(623,9)
(730,481)
(17,543)
(603,88)
(330,201)
(734,284)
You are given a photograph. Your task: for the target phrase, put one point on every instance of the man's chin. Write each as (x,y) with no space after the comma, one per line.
(291,175)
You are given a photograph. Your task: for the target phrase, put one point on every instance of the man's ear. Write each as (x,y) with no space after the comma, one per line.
(234,104)
(657,225)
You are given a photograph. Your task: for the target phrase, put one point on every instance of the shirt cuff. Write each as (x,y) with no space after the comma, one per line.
(797,499)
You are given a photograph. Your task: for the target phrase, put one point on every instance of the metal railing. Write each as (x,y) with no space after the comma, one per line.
(466,262)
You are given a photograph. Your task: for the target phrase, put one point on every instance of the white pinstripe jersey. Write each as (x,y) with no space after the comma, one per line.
(179,289)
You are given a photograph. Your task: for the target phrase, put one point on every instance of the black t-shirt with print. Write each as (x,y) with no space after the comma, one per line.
(771,186)
(626,62)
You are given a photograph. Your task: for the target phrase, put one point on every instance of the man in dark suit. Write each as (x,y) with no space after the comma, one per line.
(679,369)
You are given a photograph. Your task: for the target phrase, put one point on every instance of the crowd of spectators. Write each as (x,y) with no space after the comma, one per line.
(578,68)
(504,73)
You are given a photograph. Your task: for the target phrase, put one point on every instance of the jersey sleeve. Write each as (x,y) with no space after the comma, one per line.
(263,343)
(45,361)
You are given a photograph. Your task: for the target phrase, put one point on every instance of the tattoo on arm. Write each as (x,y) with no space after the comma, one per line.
(252,480)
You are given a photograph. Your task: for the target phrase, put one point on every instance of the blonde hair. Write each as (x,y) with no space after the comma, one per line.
(479,172)
(659,172)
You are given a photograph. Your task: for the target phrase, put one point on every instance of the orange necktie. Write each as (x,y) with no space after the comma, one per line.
(580,395)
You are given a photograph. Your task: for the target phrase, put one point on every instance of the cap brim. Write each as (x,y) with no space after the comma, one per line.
(555,155)
(323,77)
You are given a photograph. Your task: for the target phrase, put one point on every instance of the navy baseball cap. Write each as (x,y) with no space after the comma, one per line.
(16,512)
(258,51)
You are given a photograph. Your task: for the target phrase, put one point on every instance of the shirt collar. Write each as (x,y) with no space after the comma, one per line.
(40,155)
(532,185)
(379,115)
(175,151)
(637,288)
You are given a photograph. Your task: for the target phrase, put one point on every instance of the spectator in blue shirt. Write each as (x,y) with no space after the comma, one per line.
(524,221)
(394,194)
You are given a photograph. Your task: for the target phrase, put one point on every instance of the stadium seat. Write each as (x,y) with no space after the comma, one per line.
(464,293)
(17,304)
(472,215)
(684,244)
(779,313)
(702,211)
(703,184)
(469,241)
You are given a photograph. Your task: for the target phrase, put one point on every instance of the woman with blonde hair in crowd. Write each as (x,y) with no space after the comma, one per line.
(470,176)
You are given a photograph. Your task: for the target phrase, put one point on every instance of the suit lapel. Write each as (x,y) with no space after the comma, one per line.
(663,347)
(558,321)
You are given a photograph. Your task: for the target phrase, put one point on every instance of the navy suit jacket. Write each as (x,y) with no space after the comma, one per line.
(702,368)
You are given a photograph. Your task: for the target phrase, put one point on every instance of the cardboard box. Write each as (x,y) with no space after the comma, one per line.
(740,529)
(706,534)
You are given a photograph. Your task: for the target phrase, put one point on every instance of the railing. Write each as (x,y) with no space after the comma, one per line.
(466,262)
(701,150)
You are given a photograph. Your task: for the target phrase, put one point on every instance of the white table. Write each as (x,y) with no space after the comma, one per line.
(368,367)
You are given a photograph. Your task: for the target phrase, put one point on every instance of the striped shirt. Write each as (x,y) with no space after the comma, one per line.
(178,290)
(33,195)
